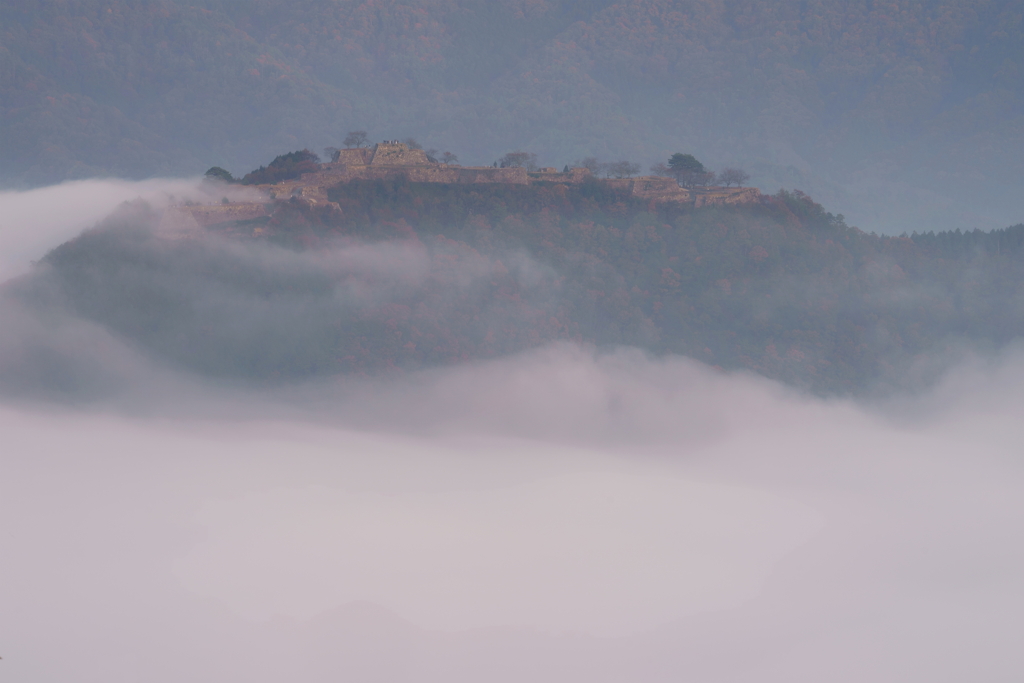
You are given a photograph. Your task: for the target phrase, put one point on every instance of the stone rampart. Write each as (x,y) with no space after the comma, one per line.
(390,160)
(212,214)
(551,175)
(656,188)
(397,154)
(357,156)
(722,196)
(428,173)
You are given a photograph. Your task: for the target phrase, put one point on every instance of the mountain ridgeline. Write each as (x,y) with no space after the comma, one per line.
(408,276)
(905,115)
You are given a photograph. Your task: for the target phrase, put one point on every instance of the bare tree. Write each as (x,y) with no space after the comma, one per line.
(431,155)
(449,158)
(356,138)
(519,160)
(623,169)
(730,176)
(589,163)
(332,153)
(661,169)
(412,144)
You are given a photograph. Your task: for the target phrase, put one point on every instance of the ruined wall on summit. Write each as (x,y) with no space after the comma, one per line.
(549,175)
(356,157)
(721,196)
(211,214)
(398,154)
(660,188)
(483,174)
(651,187)
(429,173)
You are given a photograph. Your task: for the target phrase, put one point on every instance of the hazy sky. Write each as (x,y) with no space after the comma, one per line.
(562,515)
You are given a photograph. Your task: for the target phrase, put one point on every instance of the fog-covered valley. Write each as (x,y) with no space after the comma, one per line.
(414,421)
(562,511)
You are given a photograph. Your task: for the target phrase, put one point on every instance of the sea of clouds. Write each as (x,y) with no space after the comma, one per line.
(560,515)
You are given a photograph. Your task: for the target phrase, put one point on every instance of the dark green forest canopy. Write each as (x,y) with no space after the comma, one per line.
(782,288)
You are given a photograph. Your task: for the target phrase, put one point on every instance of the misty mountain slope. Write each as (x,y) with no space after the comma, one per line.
(409,276)
(257,312)
(905,116)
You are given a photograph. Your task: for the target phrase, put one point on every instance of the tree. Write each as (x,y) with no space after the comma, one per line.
(730,176)
(688,171)
(661,169)
(589,163)
(623,169)
(356,138)
(449,158)
(519,160)
(566,169)
(685,163)
(284,167)
(412,144)
(332,153)
(218,173)
(431,155)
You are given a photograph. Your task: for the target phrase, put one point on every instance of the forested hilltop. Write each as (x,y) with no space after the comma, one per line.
(903,115)
(413,275)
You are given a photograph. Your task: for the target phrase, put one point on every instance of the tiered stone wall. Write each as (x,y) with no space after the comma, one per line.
(551,175)
(211,214)
(397,154)
(656,188)
(424,173)
(721,196)
(357,156)
(390,160)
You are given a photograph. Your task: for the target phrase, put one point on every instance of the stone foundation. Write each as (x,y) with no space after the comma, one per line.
(393,160)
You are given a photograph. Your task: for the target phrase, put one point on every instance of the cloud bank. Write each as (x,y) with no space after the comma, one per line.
(560,514)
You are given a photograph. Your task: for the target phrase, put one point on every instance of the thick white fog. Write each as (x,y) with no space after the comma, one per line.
(561,515)
(34,221)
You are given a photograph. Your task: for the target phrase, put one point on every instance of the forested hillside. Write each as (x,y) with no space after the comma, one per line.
(408,276)
(902,115)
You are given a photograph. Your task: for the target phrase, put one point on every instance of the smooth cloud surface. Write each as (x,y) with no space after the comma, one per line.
(561,515)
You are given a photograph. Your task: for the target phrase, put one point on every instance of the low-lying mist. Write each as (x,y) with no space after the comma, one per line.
(559,513)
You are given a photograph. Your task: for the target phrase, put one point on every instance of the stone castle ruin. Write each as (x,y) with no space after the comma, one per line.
(392,159)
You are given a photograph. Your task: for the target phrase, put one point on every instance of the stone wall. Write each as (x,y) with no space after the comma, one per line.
(551,175)
(398,154)
(357,156)
(391,160)
(426,173)
(212,214)
(721,196)
(656,188)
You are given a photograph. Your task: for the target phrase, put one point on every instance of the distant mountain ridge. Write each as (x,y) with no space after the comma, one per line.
(903,116)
